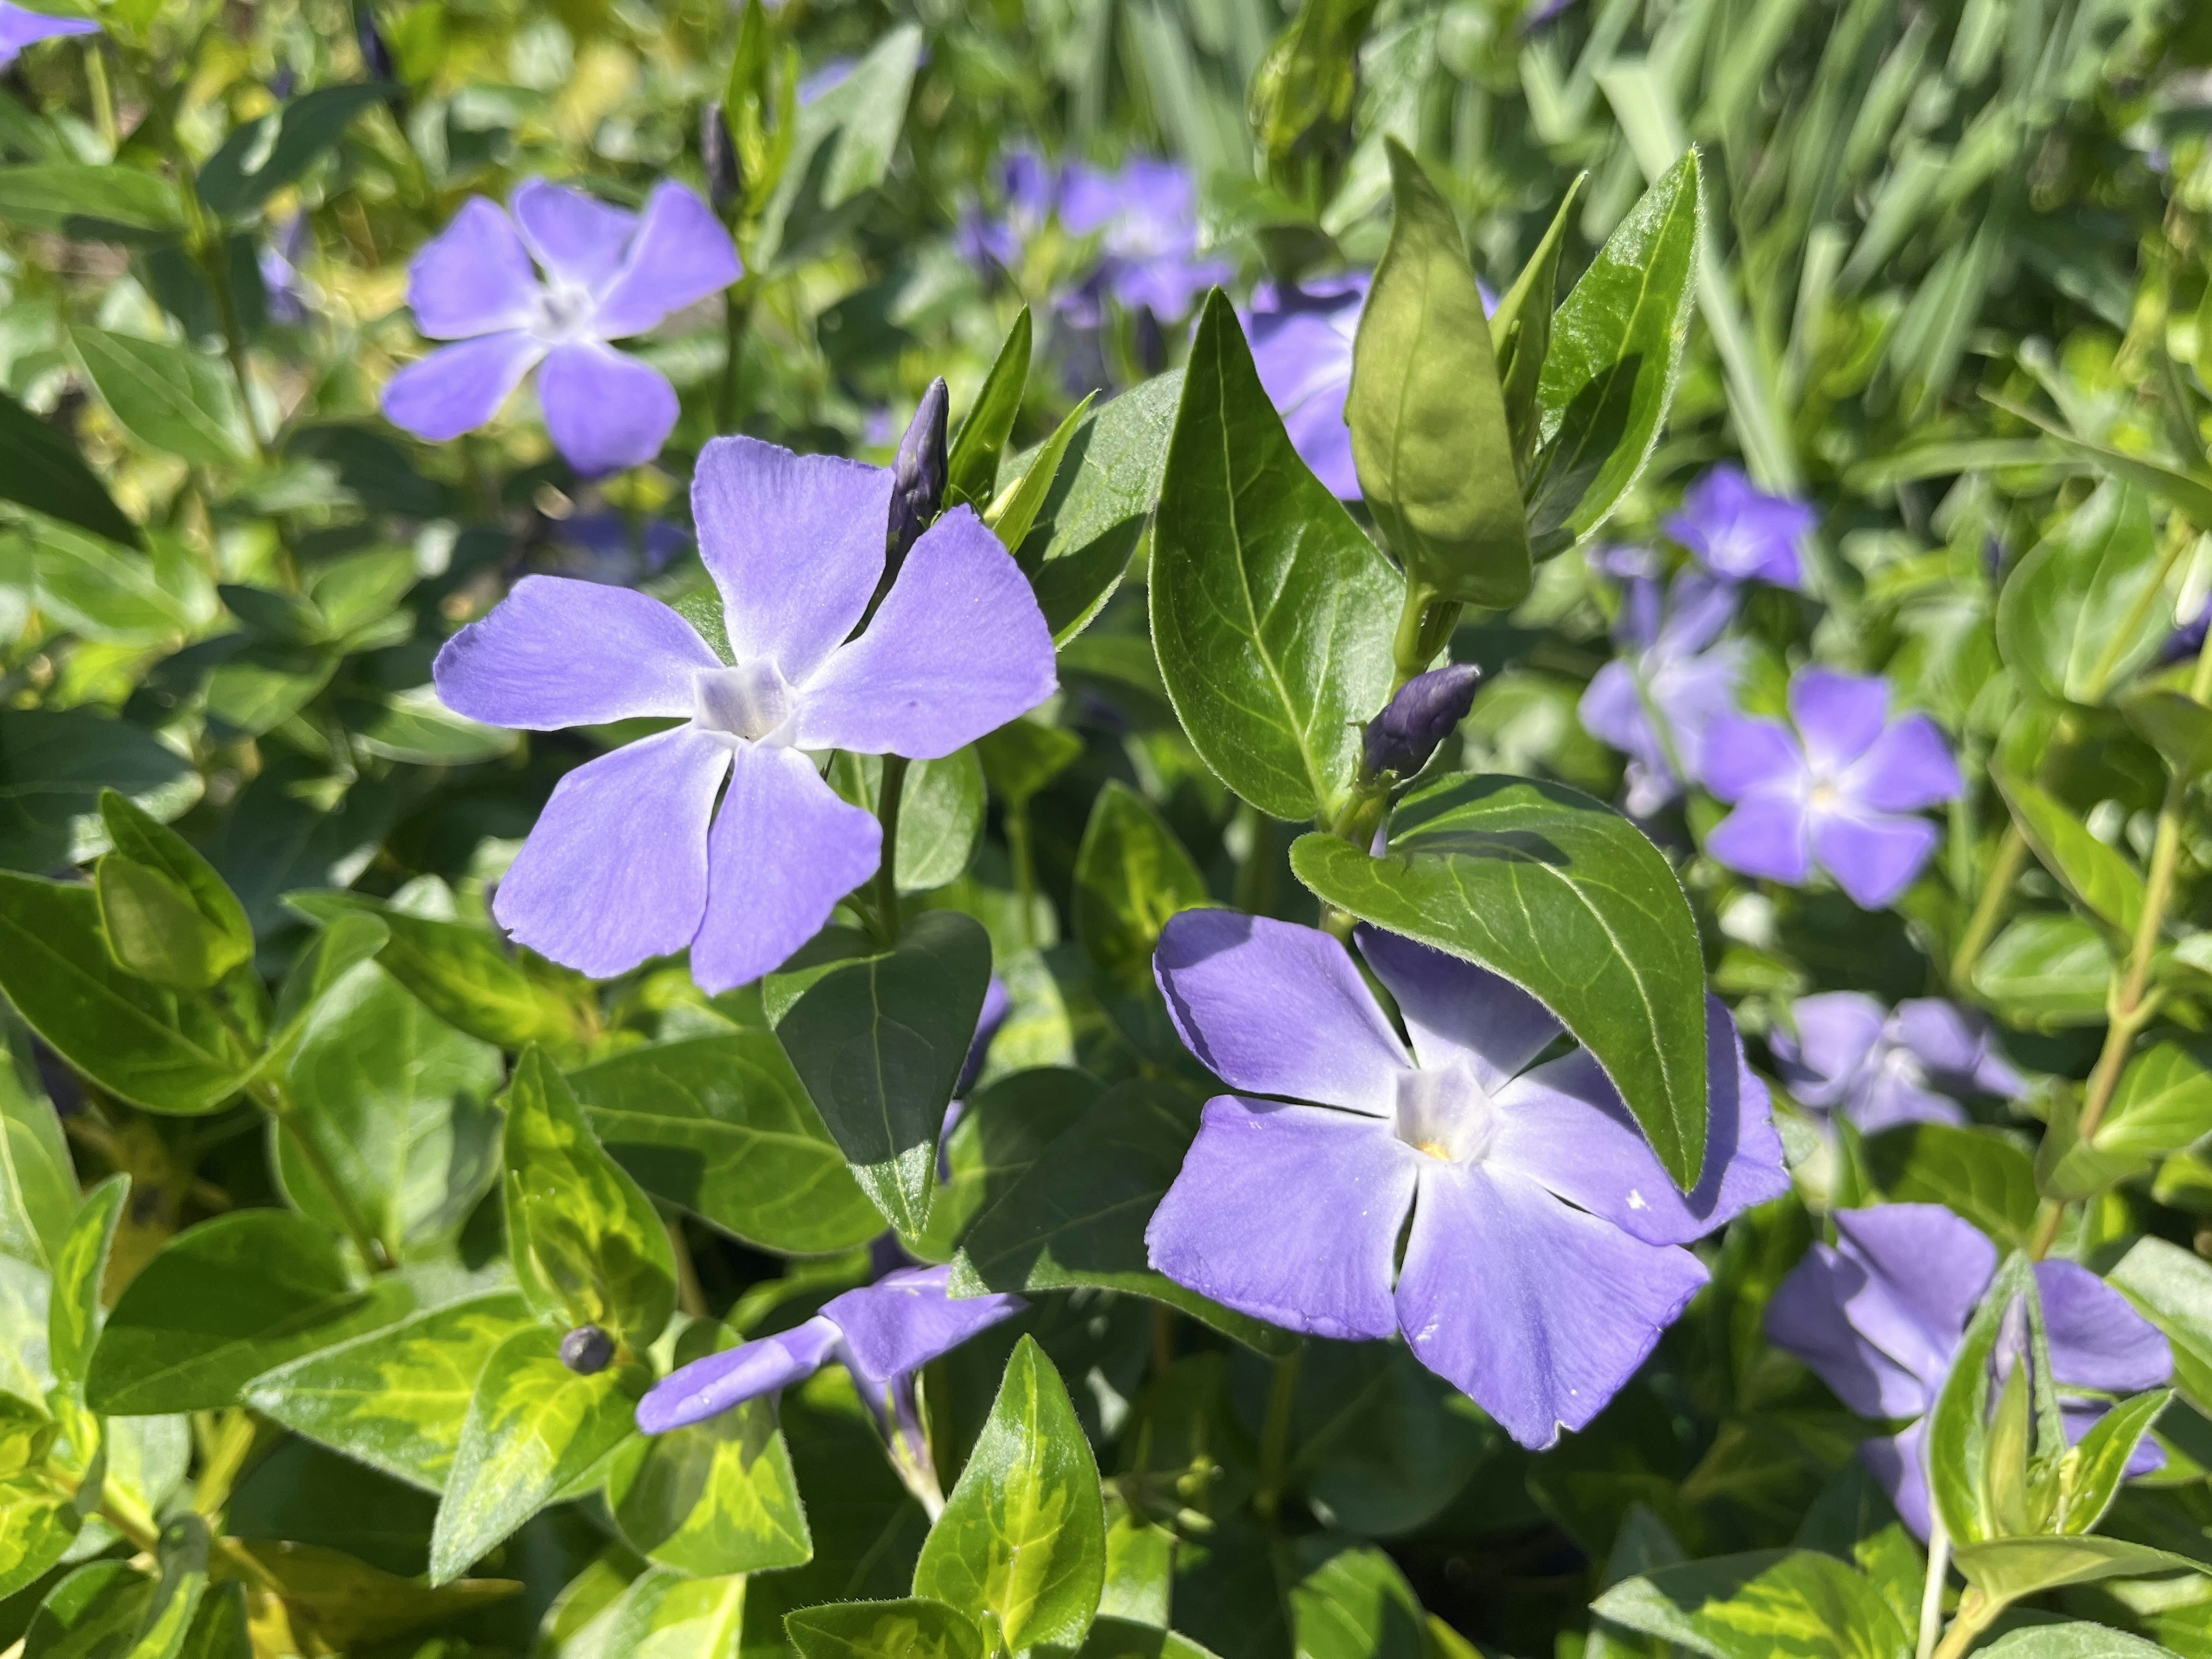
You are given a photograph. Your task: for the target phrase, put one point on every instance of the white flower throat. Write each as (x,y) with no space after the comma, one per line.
(563,313)
(1444,1112)
(751,702)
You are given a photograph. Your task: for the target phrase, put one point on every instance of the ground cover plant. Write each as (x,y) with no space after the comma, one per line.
(1097,827)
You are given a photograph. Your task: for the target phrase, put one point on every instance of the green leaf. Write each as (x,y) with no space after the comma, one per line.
(115,595)
(260,158)
(841,148)
(73,1312)
(1521,326)
(37,1527)
(2176,725)
(1077,1216)
(1008,1125)
(219,1629)
(665,1615)
(719,1496)
(915,1628)
(972,467)
(1958,1424)
(1352,1603)
(1272,614)
(396,1398)
(1016,509)
(2188,492)
(24,1298)
(259,686)
(1022,1544)
(222,1302)
(152,1048)
(535,1430)
(2103,882)
(170,397)
(2171,1287)
(50,477)
(1131,875)
(38,1180)
(2163,1104)
(90,1614)
(879,1041)
(1755,1606)
(721,1126)
(578,1225)
(55,764)
(2080,612)
(2006,1569)
(1129,1638)
(183,1555)
(1567,899)
(348,1603)
(1429,431)
(93,204)
(1616,349)
(135,834)
(2045,970)
(1022,757)
(2100,1463)
(2072,1641)
(941,812)
(153,929)
(414,726)
(397,1104)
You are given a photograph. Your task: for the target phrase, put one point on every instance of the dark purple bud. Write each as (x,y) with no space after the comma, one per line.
(1403,737)
(587,1351)
(917,477)
(719,157)
(282,82)
(375,55)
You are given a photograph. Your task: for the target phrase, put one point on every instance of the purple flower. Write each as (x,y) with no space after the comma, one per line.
(1031,191)
(1838,791)
(630,859)
(611,548)
(1879,1318)
(289,297)
(1302,345)
(20,27)
(1738,534)
(1657,700)
(1883,1070)
(1545,1256)
(1146,219)
(606,275)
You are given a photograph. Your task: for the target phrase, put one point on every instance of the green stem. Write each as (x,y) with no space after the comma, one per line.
(103,95)
(1255,875)
(1275,1436)
(886,882)
(1024,857)
(1989,909)
(270,1098)
(1976,1615)
(1931,1590)
(736,311)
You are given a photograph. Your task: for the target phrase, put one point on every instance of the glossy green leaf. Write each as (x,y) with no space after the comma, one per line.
(170,397)
(1021,1547)
(321,966)
(154,930)
(396,1398)
(1521,326)
(1429,432)
(182,1554)
(971,476)
(2006,1569)
(666,1615)
(1130,1638)
(90,1614)
(1023,756)
(2176,725)
(1131,876)
(915,1628)
(1351,1601)
(50,477)
(1015,510)
(37,1179)
(2163,1104)
(1754,1606)
(1958,1423)
(1615,352)
(54,765)
(1008,1125)
(37,1527)
(721,1126)
(347,1601)
(534,1431)
(1272,614)
(879,1042)
(1567,899)
(260,158)
(719,1496)
(2072,1641)
(2103,881)
(2171,1287)
(24,1295)
(2100,1463)
(93,204)
(414,726)
(578,1225)
(2046,969)
(941,812)
(841,149)
(74,1313)
(220,1630)
(2081,611)
(224,1302)
(135,834)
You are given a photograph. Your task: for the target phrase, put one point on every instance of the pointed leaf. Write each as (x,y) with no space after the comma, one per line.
(1752,1606)
(37,1179)
(719,1496)
(74,1313)
(49,477)
(2080,612)
(972,465)
(1131,876)
(915,1628)
(170,397)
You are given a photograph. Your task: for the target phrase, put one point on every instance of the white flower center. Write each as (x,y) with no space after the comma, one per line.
(563,310)
(752,702)
(1444,1112)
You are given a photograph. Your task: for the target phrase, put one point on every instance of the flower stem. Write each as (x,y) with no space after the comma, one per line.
(1989,909)
(1023,857)
(1275,1436)
(1977,1612)
(886,882)
(103,95)
(1931,1592)
(736,311)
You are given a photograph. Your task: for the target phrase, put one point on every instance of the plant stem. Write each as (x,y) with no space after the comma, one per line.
(1989,909)
(216,267)
(1976,1615)
(1931,1592)
(1024,857)
(886,883)
(270,1098)
(736,311)
(1275,1436)
(103,95)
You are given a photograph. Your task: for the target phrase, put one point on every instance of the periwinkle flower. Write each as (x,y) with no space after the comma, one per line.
(1031,190)
(1545,1255)
(1879,1317)
(1739,533)
(630,858)
(21,28)
(1301,340)
(289,296)
(1420,716)
(1881,1069)
(1655,702)
(601,273)
(1839,792)
(1146,217)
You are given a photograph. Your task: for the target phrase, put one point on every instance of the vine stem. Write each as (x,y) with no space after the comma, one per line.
(1275,1435)
(1023,858)
(1931,1592)
(1989,909)
(886,883)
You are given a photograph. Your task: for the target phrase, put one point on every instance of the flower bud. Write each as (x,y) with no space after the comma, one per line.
(375,55)
(587,1351)
(719,157)
(917,477)
(1403,736)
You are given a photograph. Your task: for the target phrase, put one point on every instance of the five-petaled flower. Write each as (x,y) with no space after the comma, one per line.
(602,274)
(630,859)
(1655,702)
(1741,534)
(1302,342)
(1840,792)
(1545,1255)
(1146,218)
(1878,1069)
(1879,1316)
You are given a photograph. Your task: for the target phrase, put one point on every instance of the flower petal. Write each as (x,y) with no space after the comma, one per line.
(1926,1269)
(1746,757)
(706,1387)
(1838,715)
(1537,1311)
(1894,1095)
(904,1319)
(604,411)
(1453,1008)
(1837,1031)
(575,236)
(2098,1340)
(1289,1213)
(20,27)
(1809,1316)
(1873,856)
(558,652)
(785,850)
(1273,1008)
(957,648)
(472,277)
(616,870)
(1613,711)
(1908,766)
(459,388)
(681,253)
(1899,1463)
(794,543)
(1766,836)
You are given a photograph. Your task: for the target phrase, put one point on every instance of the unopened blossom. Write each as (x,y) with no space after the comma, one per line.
(1655,701)
(1838,793)
(1741,534)
(1879,1317)
(1146,218)
(21,27)
(547,284)
(631,858)
(1302,338)
(1545,1250)
(1907,1065)
(1426,711)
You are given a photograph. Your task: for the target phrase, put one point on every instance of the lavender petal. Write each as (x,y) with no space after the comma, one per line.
(459,388)
(605,412)
(472,277)
(557,651)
